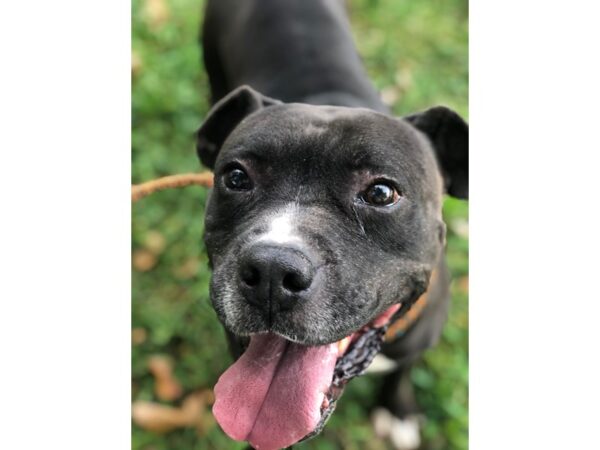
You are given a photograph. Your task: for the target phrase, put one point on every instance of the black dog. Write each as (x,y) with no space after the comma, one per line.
(324,226)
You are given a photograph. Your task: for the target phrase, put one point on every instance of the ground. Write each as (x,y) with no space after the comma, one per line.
(416,54)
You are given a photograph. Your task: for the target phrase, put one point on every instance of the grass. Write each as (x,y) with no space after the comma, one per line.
(416,54)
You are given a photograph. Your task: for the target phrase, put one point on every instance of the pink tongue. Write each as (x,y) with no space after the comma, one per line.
(272,395)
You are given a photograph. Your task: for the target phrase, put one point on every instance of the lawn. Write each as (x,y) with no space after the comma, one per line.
(416,54)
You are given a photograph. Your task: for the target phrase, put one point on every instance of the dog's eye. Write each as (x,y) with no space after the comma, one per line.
(238,180)
(380,194)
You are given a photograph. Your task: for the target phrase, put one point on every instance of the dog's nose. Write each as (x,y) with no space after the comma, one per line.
(275,278)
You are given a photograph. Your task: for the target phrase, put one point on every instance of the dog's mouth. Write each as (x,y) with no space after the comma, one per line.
(279,392)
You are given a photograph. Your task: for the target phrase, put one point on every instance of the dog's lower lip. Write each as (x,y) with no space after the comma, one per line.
(338,382)
(344,344)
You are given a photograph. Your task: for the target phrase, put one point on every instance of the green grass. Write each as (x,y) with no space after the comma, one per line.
(416,54)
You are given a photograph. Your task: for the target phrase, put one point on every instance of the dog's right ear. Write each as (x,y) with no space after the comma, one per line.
(224,117)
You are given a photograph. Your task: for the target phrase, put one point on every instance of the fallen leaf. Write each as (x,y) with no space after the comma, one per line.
(158,418)
(143,260)
(194,412)
(188,269)
(155,242)
(167,387)
(138,336)
(157,13)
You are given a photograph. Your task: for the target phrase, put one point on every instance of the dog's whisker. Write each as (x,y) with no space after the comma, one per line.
(360,224)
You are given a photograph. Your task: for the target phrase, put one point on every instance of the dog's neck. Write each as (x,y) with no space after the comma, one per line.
(338,98)
(402,322)
(299,52)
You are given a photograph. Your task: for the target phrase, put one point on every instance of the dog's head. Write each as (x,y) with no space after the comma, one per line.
(322,217)
(322,220)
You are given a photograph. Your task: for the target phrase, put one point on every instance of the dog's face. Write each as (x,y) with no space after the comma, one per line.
(323,217)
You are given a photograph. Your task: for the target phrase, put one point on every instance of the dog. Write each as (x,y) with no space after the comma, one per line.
(324,227)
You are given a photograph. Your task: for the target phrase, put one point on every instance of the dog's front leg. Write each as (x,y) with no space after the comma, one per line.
(396,416)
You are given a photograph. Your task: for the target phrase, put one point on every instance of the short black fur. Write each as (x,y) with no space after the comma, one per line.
(294,109)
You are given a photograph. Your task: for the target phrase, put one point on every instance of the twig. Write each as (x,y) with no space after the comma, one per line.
(142,190)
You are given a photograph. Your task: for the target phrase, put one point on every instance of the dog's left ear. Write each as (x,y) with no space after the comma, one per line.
(224,117)
(449,134)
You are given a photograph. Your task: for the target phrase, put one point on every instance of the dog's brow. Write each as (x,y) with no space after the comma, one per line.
(252,155)
(359,158)
(365,163)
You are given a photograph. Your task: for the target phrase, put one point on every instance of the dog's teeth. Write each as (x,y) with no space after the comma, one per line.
(343,345)
(325,403)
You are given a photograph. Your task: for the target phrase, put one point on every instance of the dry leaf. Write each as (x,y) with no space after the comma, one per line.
(205,420)
(196,408)
(194,412)
(167,388)
(158,418)
(143,260)
(155,242)
(156,12)
(138,336)
(188,269)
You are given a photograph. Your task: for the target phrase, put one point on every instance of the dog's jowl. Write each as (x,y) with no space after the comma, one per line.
(324,228)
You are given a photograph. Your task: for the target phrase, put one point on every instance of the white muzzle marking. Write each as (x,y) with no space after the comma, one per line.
(281,229)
